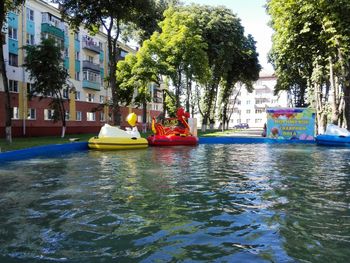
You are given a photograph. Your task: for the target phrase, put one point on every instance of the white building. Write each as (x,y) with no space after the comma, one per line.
(251,107)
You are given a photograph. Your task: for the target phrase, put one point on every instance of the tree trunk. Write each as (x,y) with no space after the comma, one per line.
(8,111)
(346,91)
(178,89)
(334,85)
(164,104)
(188,91)
(144,116)
(113,56)
(224,117)
(208,110)
(320,111)
(63,131)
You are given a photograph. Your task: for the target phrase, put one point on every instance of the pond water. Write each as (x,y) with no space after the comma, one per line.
(211,203)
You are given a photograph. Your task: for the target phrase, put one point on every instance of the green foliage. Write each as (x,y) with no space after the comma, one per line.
(111,15)
(147,23)
(5,7)
(231,56)
(311,50)
(45,65)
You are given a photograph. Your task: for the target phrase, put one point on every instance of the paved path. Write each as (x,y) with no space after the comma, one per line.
(252,132)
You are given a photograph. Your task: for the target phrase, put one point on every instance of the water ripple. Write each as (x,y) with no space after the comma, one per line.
(211,203)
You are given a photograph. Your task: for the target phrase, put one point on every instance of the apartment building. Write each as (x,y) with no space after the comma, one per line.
(251,108)
(86,60)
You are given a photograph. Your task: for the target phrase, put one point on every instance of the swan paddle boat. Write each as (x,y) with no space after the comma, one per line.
(113,138)
(172,131)
(334,136)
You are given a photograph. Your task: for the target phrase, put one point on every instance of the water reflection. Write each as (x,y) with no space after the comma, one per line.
(314,215)
(212,203)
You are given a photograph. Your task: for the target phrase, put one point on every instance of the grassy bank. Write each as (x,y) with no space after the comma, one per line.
(22,143)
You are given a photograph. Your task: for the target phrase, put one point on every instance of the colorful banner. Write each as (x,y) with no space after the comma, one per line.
(291,123)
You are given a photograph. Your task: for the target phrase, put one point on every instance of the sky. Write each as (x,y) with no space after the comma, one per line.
(254,20)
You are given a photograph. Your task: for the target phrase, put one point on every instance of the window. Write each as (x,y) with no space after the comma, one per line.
(55,21)
(12,33)
(66,52)
(65,93)
(30,39)
(100,45)
(90,116)
(102,99)
(102,116)
(238,120)
(258,82)
(259,111)
(258,120)
(13,85)
(77,95)
(91,76)
(248,111)
(123,53)
(78,115)
(13,60)
(77,75)
(15,113)
(248,102)
(67,116)
(76,36)
(30,14)
(247,120)
(48,114)
(90,97)
(77,55)
(29,88)
(31,114)
(90,59)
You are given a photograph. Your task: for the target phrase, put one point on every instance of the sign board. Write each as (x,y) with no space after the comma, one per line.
(291,123)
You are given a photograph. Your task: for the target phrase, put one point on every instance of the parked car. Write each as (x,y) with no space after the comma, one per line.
(242,126)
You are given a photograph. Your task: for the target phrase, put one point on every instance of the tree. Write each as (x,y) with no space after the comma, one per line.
(135,74)
(147,23)
(181,49)
(110,15)
(175,52)
(5,7)
(244,68)
(45,65)
(224,36)
(311,46)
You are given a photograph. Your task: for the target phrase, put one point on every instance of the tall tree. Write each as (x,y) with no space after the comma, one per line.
(311,46)
(244,68)
(174,52)
(110,15)
(5,7)
(224,35)
(45,65)
(147,23)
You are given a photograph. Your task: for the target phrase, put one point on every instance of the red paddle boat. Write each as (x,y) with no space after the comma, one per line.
(172,131)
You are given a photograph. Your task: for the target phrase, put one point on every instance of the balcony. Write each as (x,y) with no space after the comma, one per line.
(90,65)
(52,25)
(91,85)
(261,102)
(91,45)
(157,100)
